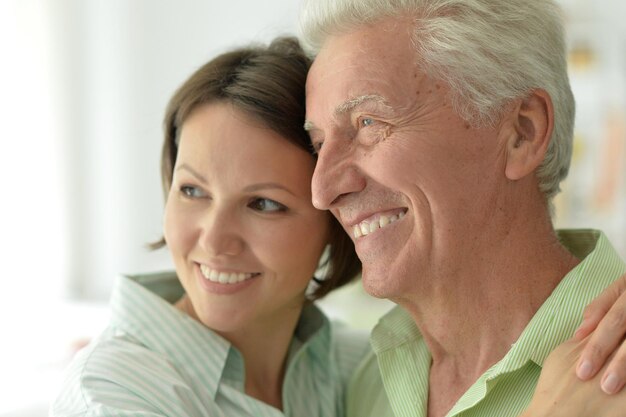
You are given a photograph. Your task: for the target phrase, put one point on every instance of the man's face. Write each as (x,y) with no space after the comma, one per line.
(408,179)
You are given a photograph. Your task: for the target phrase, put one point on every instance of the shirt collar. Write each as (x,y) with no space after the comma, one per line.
(562,311)
(139,309)
(312,333)
(141,305)
(395,328)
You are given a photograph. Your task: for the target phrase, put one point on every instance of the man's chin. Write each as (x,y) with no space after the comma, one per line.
(376,283)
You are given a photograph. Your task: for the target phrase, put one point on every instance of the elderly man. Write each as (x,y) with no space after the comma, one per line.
(443,130)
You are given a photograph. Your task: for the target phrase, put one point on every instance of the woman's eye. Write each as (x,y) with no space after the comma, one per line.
(192,192)
(267,205)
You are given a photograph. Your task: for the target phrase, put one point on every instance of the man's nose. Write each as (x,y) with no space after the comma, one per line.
(336,174)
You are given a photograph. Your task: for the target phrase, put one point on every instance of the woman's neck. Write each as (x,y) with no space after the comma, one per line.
(264,346)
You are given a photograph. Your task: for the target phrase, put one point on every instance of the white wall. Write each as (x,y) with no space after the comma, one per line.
(594,194)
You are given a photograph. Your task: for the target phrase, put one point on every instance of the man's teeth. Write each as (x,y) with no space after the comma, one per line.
(224,277)
(365,228)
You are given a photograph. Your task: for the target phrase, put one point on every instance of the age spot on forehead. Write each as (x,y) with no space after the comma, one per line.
(467,126)
(437,86)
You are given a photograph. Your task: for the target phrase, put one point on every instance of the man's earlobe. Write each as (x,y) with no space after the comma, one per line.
(526,147)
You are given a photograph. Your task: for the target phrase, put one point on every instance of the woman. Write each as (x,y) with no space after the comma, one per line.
(244,340)
(234,333)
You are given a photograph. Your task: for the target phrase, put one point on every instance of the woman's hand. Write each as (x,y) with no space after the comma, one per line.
(605,320)
(560,394)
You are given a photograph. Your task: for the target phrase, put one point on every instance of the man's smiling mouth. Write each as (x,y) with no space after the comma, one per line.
(376,222)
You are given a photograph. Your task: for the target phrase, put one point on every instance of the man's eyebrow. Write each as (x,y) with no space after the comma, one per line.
(351,104)
(355,102)
(192,171)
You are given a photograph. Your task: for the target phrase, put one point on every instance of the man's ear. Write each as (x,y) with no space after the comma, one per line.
(533,119)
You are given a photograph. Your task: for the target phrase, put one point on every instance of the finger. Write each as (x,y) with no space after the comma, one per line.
(599,307)
(608,335)
(614,376)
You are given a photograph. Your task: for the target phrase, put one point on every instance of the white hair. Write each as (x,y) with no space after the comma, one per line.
(489,52)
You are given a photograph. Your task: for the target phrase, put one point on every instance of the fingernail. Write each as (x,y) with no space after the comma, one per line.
(584,369)
(609,384)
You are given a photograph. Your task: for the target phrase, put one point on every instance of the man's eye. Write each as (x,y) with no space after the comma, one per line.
(317,147)
(366,121)
(266,205)
(192,192)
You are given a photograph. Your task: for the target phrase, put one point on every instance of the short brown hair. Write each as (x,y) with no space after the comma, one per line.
(267,83)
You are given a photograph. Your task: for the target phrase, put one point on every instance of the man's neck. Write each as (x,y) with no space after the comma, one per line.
(471,313)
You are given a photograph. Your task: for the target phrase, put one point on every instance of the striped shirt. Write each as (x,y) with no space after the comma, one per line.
(400,361)
(154,360)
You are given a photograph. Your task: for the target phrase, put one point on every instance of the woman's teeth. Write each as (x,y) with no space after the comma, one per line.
(365,227)
(224,277)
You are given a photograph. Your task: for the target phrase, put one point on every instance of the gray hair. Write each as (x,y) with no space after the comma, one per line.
(489,52)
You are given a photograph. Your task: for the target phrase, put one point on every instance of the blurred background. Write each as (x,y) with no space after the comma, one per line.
(83,87)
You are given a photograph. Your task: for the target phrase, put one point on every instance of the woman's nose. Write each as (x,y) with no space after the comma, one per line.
(221,234)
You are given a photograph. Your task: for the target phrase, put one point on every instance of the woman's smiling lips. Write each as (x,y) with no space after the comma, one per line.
(224,277)
(224,282)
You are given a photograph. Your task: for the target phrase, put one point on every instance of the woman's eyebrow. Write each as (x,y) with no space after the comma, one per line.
(192,171)
(266,186)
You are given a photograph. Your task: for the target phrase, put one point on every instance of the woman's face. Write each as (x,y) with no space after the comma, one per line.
(239,221)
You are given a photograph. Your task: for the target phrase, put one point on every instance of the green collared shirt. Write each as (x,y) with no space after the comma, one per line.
(154,360)
(393,379)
